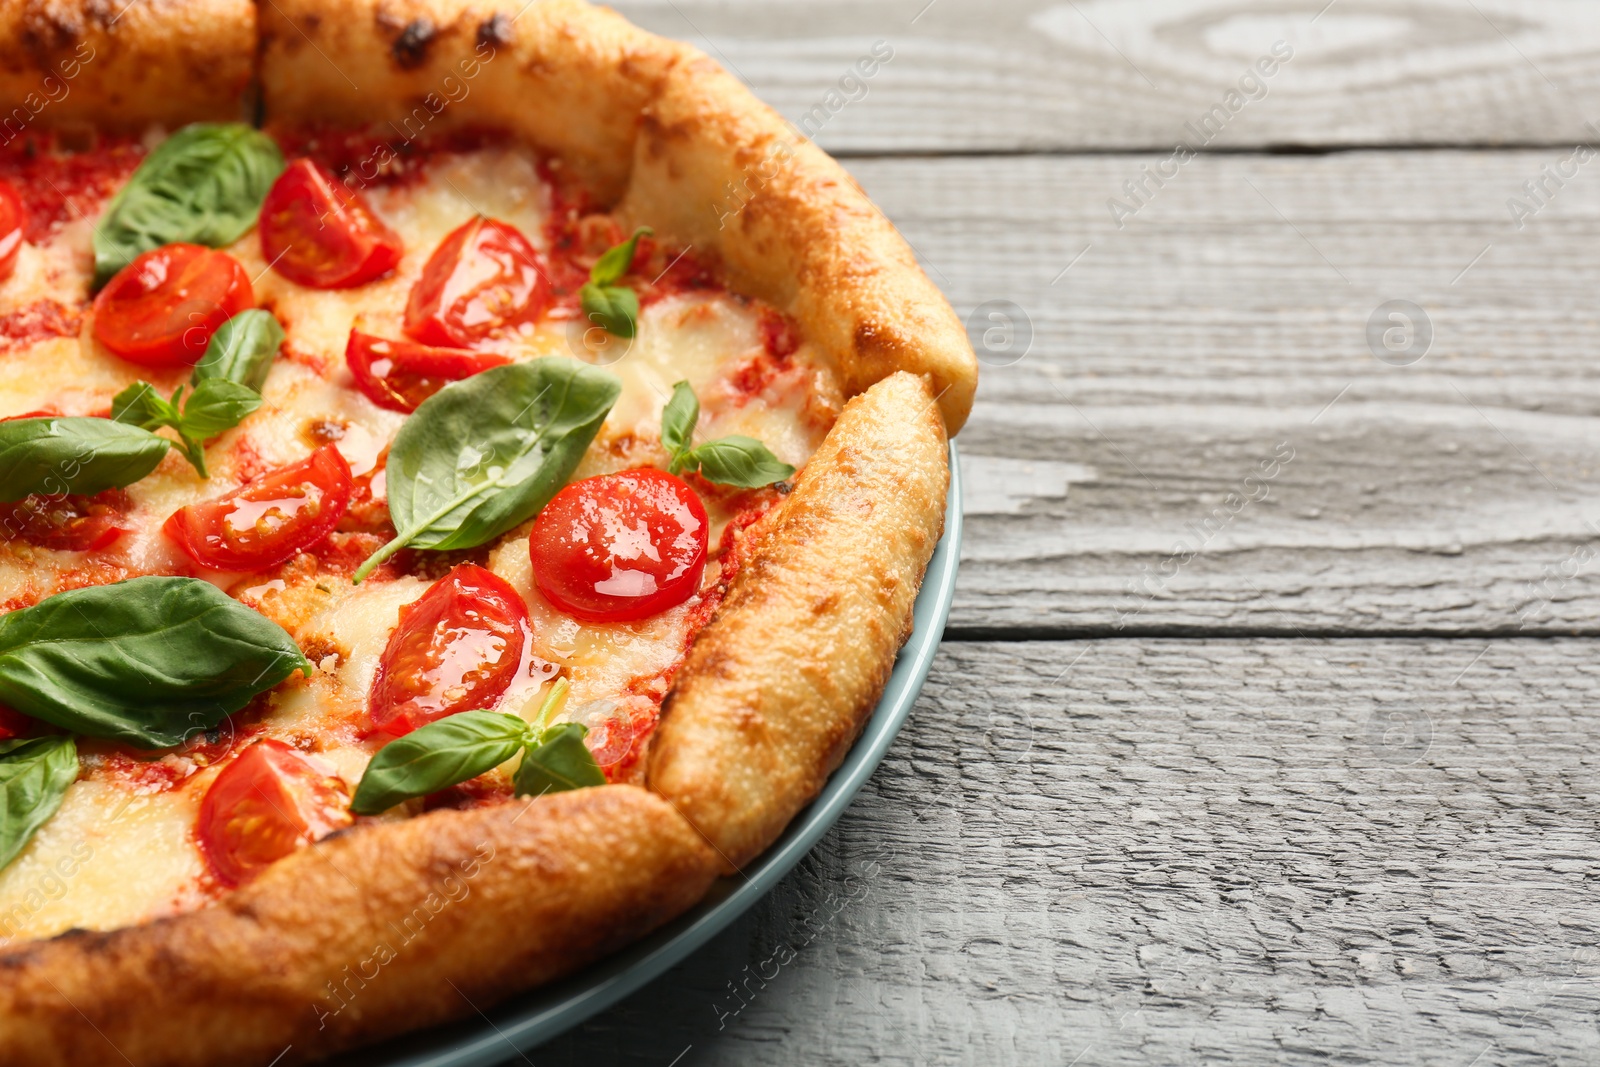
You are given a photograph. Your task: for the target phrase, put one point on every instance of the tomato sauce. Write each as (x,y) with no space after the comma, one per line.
(39,321)
(58,185)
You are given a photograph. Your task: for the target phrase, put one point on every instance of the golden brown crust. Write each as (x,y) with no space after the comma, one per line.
(779,684)
(121,64)
(678,141)
(376,931)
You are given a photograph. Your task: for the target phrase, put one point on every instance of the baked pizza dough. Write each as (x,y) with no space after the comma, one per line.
(761,680)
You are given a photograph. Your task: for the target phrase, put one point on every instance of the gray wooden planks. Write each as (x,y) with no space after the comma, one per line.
(1114,461)
(1069,75)
(1176,851)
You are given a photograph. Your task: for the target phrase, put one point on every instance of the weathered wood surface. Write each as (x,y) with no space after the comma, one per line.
(1067,75)
(1210,334)
(1180,851)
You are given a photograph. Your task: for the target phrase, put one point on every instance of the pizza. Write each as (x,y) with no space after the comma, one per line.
(465,474)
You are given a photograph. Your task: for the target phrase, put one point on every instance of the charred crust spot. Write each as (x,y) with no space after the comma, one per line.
(410,49)
(494,32)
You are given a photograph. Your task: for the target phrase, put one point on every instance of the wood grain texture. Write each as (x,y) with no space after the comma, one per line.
(1069,75)
(1170,852)
(1154,376)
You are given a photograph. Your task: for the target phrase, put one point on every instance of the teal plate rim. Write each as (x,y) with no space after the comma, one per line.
(523,1022)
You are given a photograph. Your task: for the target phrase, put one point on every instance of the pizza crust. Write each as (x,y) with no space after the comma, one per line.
(66,63)
(779,684)
(361,936)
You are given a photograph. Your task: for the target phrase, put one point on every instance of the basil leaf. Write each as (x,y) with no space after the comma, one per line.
(617,260)
(561,761)
(438,755)
(140,405)
(242,350)
(34,776)
(678,421)
(613,308)
(204,184)
(215,405)
(58,456)
(738,460)
(486,453)
(149,661)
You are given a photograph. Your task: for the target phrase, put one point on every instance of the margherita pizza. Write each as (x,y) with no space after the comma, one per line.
(465,473)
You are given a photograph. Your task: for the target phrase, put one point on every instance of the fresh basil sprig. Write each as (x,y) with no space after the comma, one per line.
(149,661)
(733,460)
(558,762)
(204,184)
(461,747)
(225,386)
(213,406)
(242,350)
(34,776)
(436,756)
(69,455)
(488,452)
(612,307)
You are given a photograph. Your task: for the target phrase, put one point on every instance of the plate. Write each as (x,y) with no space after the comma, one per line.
(536,1017)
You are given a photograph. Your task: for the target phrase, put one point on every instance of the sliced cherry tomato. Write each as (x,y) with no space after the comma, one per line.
(457,648)
(67,523)
(267,802)
(266,521)
(482,282)
(14,724)
(161,309)
(619,547)
(320,233)
(399,375)
(13,221)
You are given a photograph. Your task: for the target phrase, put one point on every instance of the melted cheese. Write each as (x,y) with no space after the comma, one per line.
(114,855)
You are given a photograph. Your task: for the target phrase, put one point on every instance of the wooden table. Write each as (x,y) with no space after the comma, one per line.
(1265,728)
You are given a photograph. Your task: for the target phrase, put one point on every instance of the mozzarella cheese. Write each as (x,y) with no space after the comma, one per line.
(119,852)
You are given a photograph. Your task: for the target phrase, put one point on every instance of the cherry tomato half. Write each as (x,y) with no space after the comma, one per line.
(619,547)
(161,309)
(67,523)
(457,648)
(399,375)
(267,802)
(268,520)
(483,281)
(13,221)
(320,233)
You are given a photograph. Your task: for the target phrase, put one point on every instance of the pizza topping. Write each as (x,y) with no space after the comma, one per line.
(67,523)
(49,456)
(399,375)
(454,750)
(268,520)
(457,648)
(242,350)
(34,776)
(436,756)
(212,407)
(485,454)
(203,185)
(612,307)
(150,661)
(483,281)
(13,223)
(267,802)
(317,232)
(161,309)
(620,547)
(733,460)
